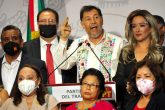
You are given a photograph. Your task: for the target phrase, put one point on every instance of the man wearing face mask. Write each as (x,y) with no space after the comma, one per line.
(45,47)
(14,59)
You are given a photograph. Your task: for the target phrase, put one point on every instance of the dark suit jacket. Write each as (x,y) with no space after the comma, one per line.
(122,74)
(157,102)
(32,48)
(31,61)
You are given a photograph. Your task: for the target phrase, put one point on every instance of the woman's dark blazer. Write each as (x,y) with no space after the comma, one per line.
(157,102)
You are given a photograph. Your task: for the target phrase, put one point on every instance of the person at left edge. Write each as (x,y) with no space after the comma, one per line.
(14,59)
(29,92)
(48,20)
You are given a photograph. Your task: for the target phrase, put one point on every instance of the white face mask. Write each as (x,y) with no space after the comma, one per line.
(145,86)
(26,86)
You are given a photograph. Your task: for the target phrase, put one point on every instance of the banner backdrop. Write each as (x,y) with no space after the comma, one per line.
(114,12)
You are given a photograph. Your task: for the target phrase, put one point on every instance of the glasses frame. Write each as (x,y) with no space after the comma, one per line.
(91,85)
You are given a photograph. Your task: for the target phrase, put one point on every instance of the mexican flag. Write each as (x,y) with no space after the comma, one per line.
(34,7)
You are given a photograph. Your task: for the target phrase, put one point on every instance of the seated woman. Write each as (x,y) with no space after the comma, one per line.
(29,92)
(3,95)
(146,85)
(92,88)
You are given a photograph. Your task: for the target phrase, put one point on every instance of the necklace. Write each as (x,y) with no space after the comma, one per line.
(86,106)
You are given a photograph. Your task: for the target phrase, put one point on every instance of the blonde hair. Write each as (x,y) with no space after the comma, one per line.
(155,50)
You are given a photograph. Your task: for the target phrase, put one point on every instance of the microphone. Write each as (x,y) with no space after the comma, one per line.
(64,60)
(99,61)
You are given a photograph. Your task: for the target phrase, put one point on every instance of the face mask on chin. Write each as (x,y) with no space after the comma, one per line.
(11,48)
(48,31)
(26,87)
(145,86)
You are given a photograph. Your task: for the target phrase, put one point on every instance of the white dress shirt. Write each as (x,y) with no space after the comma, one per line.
(9,72)
(53,49)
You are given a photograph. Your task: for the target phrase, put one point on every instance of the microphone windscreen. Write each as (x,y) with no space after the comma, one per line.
(88,44)
(79,44)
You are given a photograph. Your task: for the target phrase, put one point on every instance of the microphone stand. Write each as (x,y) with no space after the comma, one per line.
(64,60)
(99,61)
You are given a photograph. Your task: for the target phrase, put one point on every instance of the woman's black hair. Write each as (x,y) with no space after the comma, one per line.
(99,76)
(40,92)
(157,72)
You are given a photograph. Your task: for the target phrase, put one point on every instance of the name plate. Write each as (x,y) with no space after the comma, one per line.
(71,92)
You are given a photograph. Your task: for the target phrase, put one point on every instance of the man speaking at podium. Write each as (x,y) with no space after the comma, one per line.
(97,49)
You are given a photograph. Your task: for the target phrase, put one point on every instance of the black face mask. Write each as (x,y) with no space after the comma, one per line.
(48,31)
(11,48)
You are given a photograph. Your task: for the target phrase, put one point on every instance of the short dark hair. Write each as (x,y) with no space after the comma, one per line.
(159,19)
(49,10)
(100,78)
(41,91)
(11,27)
(87,9)
(157,72)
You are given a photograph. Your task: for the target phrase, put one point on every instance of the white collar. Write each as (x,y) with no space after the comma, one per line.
(17,59)
(53,42)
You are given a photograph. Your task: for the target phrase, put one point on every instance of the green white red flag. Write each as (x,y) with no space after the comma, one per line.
(34,7)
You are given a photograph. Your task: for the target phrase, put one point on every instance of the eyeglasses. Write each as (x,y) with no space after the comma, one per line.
(92,85)
(12,38)
(49,21)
